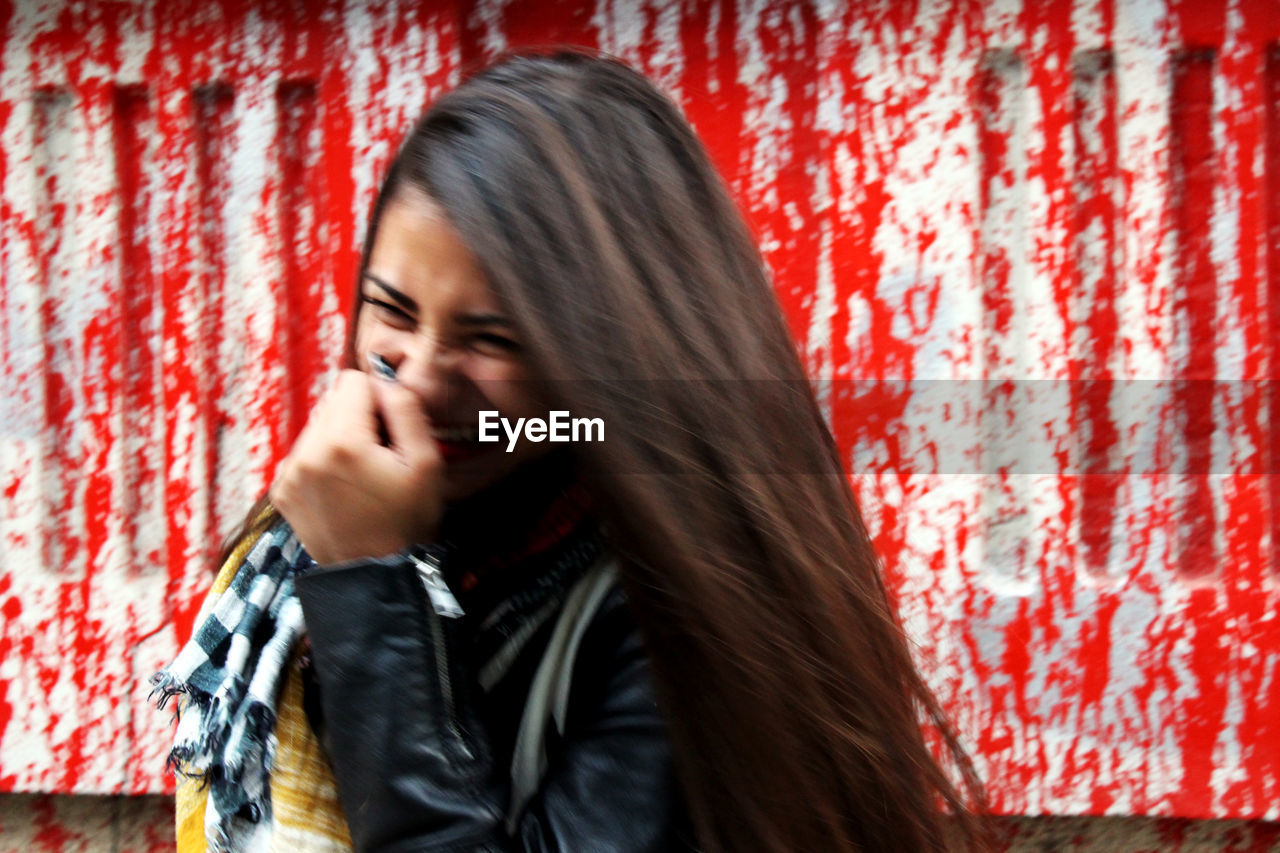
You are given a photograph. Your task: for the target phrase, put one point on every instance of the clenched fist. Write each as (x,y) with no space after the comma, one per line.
(344,492)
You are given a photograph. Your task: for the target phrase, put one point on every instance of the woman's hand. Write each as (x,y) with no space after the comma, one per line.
(346,494)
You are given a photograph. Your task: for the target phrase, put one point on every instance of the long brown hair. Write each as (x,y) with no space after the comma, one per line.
(794,706)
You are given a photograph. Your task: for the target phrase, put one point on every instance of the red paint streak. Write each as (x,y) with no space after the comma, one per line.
(6,648)
(1272,337)
(1202,714)
(529,25)
(1069,653)
(1045,67)
(1244,555)
(1002,138)
(867,410)
(1094,659)
(1094,673)
(1001,90)
(1097,217)
(713,99)
(788,37)
(1001,85)
(137,332)
(51,136)
(190,322)
(65,427)
(18,385)
(1200,22)
(336,159)
(101,395)
(301,209)
(1016,663)
(1194,175)
(200,372)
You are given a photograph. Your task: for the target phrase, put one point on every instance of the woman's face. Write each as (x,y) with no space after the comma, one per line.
(427,309)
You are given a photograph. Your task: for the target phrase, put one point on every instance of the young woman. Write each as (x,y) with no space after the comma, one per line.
(674,637)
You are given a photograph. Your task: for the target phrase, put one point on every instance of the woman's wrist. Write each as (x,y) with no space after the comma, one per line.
(424,560)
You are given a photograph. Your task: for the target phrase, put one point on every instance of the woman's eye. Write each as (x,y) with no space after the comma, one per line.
(387,311)
(493,341)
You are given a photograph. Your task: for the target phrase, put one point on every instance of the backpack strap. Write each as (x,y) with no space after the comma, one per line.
(549,693)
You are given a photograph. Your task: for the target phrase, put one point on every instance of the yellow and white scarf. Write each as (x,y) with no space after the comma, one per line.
(303,812)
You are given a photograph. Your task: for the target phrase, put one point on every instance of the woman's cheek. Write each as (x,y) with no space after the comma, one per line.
(361,345)
(513,393)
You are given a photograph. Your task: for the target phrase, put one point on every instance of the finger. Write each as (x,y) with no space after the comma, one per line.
(407,423)
(351,408)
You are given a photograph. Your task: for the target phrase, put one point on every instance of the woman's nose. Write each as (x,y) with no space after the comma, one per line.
(427,367)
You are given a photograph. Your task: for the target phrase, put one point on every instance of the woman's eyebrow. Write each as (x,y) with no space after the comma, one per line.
(484,320)
(396,296)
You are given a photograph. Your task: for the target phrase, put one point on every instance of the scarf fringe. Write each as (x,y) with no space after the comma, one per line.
(165,686)
(227,679)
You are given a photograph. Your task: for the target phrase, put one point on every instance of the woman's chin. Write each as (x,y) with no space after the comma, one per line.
(462,479)
(468,474)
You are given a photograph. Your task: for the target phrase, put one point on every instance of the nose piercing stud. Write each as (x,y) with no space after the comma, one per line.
(380,367)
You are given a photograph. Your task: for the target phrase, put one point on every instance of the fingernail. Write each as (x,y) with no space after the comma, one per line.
(381,369)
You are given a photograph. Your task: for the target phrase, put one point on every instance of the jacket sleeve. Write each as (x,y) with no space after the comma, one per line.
(412,762)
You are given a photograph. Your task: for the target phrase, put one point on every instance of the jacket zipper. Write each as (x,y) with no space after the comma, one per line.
(446,684)
(442,604)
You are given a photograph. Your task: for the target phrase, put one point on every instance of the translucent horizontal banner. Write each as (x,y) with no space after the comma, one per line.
(973,427)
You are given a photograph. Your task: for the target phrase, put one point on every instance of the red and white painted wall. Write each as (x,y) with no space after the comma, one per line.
(1030,252)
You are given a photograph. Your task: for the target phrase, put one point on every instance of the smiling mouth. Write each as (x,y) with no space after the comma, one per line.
(459,443)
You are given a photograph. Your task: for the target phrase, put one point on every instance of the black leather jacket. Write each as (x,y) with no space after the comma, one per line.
(422,758)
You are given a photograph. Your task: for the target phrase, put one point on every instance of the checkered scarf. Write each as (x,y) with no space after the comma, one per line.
(229,676)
